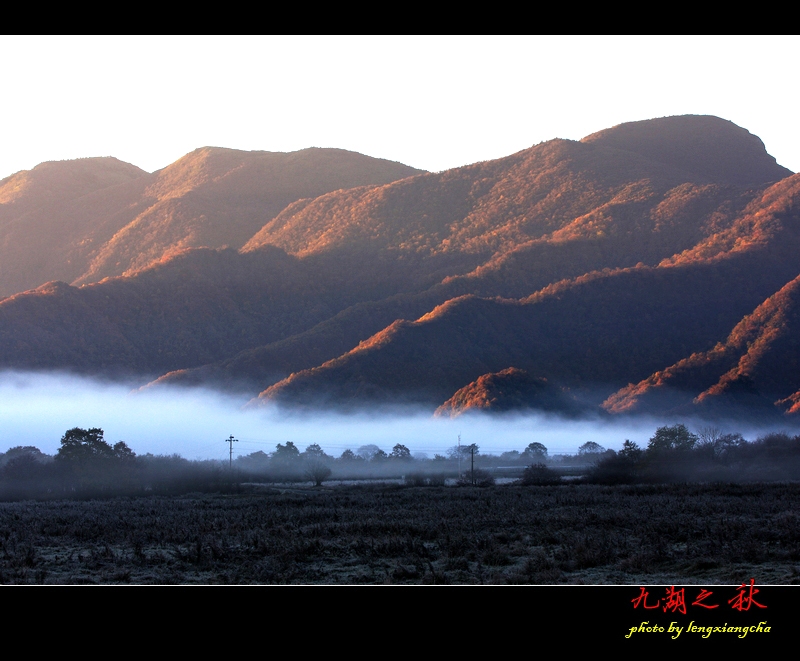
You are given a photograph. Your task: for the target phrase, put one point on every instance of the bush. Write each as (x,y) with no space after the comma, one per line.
(615,469)
(476,478)
(415,480)
(437,479)
(425,479)
(539,475)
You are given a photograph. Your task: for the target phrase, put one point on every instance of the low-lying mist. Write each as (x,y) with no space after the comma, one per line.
(37,408)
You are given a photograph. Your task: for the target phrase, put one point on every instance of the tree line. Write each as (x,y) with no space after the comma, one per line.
(675,454)
(85,465)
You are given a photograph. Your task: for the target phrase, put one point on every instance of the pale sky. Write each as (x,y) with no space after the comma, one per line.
(429,102)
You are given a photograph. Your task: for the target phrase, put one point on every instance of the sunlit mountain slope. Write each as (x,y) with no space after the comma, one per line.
(590,264)
(80,221)
(53,216)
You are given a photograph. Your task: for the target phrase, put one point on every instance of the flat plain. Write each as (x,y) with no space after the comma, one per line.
(394,534)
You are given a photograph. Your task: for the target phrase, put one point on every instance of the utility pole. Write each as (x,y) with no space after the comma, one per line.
(459,456)
(472,463)
(231,441)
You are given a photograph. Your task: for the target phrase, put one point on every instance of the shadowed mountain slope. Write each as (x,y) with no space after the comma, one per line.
(256,368)
(595,332)
(188,310)
(196,308)
(759,359)
(758,364)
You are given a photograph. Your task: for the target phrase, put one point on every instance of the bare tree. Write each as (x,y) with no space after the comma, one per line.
(317,471)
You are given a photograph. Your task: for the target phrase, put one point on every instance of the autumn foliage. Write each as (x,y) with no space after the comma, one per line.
(606,270)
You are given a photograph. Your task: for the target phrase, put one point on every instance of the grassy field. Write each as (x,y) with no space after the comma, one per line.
(383,534)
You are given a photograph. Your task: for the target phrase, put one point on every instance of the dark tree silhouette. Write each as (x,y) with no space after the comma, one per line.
(400,452)
(286,453)
(631,450)
(590,447)
(83,445)
(535,452)
(379,456)
(314,450)
(349,455)
(677,437)
(88,462)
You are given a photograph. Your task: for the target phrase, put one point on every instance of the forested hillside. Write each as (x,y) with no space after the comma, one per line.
(552,278)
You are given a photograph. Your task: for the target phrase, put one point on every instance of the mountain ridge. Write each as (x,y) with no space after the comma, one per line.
(591,264)
(212,197)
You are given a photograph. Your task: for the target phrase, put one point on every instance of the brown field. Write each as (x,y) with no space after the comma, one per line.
(382,534)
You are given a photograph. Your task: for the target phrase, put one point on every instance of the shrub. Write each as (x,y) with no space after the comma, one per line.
(614,469)
(539,475)
(415,480)
(437,479)
(476,478)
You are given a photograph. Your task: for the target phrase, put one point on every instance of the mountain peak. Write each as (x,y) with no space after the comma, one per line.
(71,179)
(701,144)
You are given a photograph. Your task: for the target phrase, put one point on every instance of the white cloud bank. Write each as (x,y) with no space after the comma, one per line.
(36,409)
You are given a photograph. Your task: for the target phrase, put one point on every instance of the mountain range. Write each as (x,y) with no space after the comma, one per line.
(651,267)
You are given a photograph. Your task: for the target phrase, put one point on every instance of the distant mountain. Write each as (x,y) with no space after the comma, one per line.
(584,265)
(703,145)
(54,216)
(81,221)
(558,191)
(591,329)
(219,198)
(594,218)
(198,307)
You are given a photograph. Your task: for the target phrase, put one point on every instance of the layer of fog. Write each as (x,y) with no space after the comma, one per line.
(36,409)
